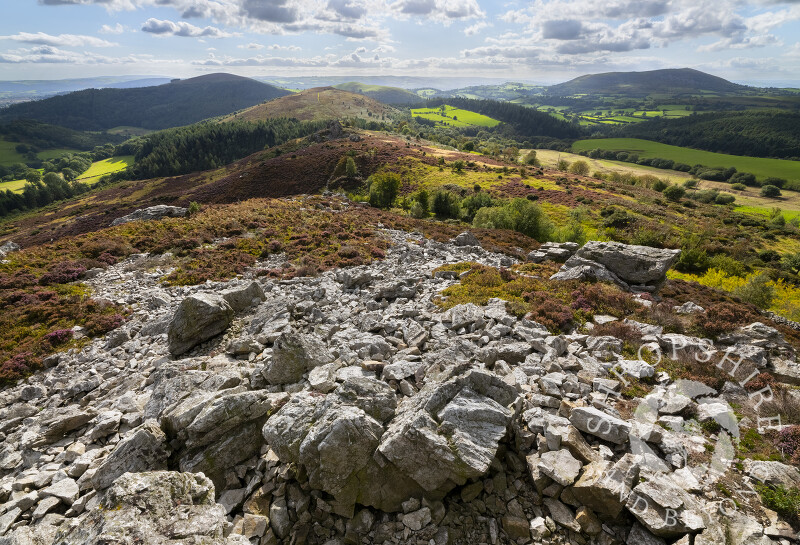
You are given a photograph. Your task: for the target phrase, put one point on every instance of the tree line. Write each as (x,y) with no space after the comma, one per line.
(210,145)
(755,134)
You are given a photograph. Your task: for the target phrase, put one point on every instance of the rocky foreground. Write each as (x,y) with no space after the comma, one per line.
(349,408)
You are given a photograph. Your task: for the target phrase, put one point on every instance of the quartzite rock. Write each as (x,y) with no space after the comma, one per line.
(153,213)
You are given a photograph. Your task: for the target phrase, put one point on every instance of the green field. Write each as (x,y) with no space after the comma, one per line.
(9,155)
(14,185)
(106,166)
(762,168)
(91,176)
(47,154)
(455,117)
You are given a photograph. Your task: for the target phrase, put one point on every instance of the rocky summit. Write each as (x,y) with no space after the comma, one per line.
(359,406)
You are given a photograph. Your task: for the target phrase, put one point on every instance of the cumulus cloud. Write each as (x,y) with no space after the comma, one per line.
(439,10)
(62,40)
(45,54)
(472,30)
(182,29)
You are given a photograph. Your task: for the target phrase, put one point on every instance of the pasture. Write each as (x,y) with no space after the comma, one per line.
(455,117)
(762,168)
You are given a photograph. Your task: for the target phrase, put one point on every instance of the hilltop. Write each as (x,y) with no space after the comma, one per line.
(381,93)
(317,104)
(177,103)
(669,81)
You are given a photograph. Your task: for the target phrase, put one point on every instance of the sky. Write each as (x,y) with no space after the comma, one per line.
(539,41)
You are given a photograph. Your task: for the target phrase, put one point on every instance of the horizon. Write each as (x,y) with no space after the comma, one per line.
(541,42)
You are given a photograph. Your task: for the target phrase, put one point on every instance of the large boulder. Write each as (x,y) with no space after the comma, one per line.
(446,434)
(199,317)
(142,450)
(293,355)
(152,213)
(157,508)
(640,267)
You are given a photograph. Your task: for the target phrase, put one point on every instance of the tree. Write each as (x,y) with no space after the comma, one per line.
(446,204)
(770,191)
(350,168)
(581,168)
(383,189)
(469,146)
(530,159)
(458,165)
(33,176)
(674,193)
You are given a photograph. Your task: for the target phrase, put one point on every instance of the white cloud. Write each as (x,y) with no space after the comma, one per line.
(182,28)
(472,30)
(116,29)
(62,40)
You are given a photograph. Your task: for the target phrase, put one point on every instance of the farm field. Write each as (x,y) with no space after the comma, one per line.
(463,118)
(48,154)
(762,168)
(91,176)
(550,158)
(106,166)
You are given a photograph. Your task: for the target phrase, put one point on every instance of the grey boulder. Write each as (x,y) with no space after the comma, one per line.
(157,508)
(293,355)
(152,213)
(198,318)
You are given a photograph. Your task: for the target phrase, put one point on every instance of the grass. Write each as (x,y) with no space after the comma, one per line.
(9,155)
(106,166)
(14,185)
(47,154)
(550,158)
(465,118)
(762,168)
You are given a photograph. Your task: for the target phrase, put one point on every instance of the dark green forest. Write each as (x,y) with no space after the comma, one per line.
(526,123)
(159,107)
(757,134)
(44,136)
(211,145)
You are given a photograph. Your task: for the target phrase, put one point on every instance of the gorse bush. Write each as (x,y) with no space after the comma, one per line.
(757,291)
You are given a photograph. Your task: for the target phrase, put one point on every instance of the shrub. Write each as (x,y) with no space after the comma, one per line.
(788,441)
(739,187)
(777,182)
(562,165)
(782,500)
(194,208)
(728,265)
(383,189)
(660,185)
(692,260)
(417,211)
(530,159)
(724,198)
(473,203)
(581,168)
(446,204)
(757,291)
(63,272)
(743,178)
(674,193)
(458,165)
(520,215)
(350,169)
(770,191)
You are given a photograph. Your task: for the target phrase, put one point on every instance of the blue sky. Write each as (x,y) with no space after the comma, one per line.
(541,40)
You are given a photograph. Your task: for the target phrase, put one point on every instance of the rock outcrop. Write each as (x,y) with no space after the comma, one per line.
(639,268)
(153,213)
(349,408)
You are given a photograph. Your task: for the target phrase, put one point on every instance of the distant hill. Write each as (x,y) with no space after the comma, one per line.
(317,104)
(506,91)
(381,93)
(180,102)
(672,81)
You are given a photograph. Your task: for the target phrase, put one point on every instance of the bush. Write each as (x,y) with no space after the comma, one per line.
(383,189)
(194,208)
(417,211)
(770,191)
(744,178)
(690,184)
(727,264)
(520,215)
(446,204)
(473,203)
(350,169)
(660,185)
(581,168)
(782,500)
(739,187)
(674,193)
(692,260)
(562,165)
(777,182)
(757,291)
